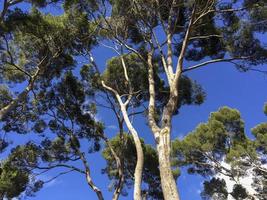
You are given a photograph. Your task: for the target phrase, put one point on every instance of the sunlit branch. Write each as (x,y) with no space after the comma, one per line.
(213,61)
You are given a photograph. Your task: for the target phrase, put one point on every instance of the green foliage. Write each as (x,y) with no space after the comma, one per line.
(230,35)
(67,101)
(137,72)
(222,136)
(217,189)
(78,5)
(260,133)
(12,181)
(223,140)
(61,111)
(59,108)
(239,192)
(37,48)
(214,189)
(41,3)
(32,37)
(190,91)
(15,173)
(5,96)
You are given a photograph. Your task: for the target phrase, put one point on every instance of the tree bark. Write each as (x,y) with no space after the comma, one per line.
(96,189)
(139,151)
(162,135)
(140,156)
(89,178)
(168,184)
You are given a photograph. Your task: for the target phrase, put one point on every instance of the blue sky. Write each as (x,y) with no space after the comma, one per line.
(224,85)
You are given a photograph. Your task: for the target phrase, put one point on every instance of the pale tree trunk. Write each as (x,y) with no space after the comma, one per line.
(88,176)
(138,146)
(139,151)
(91,184)
(140,157)
(168,184)
(162,135)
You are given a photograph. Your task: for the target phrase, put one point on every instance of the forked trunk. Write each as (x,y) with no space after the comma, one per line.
(168,184)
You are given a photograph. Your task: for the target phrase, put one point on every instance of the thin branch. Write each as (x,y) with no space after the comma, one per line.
(169,43)
(138,145)
(5,110)
(152,95)
(213,61)
(136,113)
(58,175)
(57,166)
(126,76)
(162,57)
(184,46)
(205,36)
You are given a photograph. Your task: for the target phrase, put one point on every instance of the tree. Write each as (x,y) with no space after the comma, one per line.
(191,92)
(35,50)
(222,150)
(226,39)
(14,56)
(59,110)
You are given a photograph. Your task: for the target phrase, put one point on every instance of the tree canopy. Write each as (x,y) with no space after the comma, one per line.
(52,87)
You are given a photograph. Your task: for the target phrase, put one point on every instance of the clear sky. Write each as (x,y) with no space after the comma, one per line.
(224,85)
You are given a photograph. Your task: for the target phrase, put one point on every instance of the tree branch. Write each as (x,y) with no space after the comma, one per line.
(152,95)
(184,46)
(205,36)
(213,61)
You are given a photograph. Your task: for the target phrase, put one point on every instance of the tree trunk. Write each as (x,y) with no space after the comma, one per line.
(92,185)
(139,151)
(140,156)
(168,184)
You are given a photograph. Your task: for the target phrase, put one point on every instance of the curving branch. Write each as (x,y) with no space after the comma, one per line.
(179,66)
(213,61)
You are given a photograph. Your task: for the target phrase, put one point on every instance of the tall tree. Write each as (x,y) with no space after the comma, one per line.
(35,50)
(114,76)
(14,55)
(205,32)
